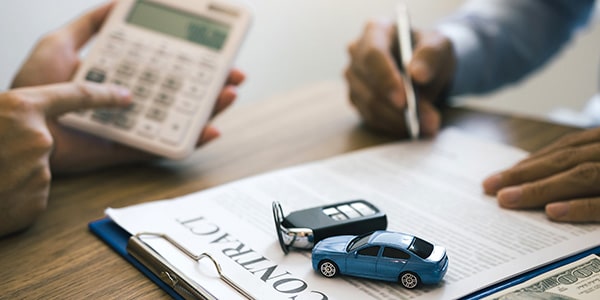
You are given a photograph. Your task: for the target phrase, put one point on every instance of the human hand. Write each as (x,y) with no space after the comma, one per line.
(55,59)
(27,143)
(563,177)
(376,86)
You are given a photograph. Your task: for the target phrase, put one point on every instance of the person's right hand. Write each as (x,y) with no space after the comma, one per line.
(376,86)
(26,143)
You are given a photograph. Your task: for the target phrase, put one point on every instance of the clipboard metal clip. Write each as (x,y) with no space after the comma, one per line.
(171,276)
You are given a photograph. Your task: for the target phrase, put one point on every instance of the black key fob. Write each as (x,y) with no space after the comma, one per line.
(304,228)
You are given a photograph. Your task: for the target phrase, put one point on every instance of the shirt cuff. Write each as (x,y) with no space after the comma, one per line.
(468,55)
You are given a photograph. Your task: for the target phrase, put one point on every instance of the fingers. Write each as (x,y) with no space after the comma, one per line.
(83,28)
(225,99)
(228,93)
(578,182)
(372,62)
(208,134)
(543,166)
(57,99)
(236,77)
(430,119)
(580,210)
(379,115)
(432,67)
(430,58)
(570,140)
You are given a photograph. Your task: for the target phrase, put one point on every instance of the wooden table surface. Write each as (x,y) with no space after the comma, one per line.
(59,258)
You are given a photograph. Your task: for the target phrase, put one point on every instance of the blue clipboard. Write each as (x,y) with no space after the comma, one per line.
(117,238)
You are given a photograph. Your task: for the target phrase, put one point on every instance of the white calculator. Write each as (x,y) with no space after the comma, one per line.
(174,56)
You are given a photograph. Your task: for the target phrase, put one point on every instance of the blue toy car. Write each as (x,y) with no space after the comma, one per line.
(382,255)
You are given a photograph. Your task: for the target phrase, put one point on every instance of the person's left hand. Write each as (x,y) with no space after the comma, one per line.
(563,177)
(55,59)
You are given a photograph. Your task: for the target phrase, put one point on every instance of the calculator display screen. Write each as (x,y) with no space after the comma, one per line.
(180,24)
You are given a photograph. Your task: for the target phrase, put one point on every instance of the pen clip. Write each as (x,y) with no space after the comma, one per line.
(171,275)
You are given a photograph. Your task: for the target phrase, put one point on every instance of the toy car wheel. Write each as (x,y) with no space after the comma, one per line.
(328,268)
(409,280)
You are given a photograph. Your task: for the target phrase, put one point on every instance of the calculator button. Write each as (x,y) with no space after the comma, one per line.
(194,90)
(105,62)
(124,121)
(103,115)
(187,105)
(349,211)
(148,128)
(172,83)
(156,113)
(126,69)
(149,76)
(137,51)
(209,61)
(203,75)
(164,99)
(118,35)
(142,91)
(174,129)
(112,48)
(134,109)
(364,209)
(157,61)
(121,82)
(95,75)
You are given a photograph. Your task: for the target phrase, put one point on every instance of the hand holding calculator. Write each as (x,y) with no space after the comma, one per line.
(174,56)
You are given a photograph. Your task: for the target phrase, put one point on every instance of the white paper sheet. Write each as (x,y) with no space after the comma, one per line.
(431,189)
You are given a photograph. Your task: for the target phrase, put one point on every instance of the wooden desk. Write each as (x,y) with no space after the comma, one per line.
(59,258)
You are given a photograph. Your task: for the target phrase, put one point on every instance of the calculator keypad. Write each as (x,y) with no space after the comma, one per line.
(167,85)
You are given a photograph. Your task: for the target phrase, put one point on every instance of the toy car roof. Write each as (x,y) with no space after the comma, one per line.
(397,239)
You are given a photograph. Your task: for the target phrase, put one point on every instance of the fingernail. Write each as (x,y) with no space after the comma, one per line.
(557,210)
(510,196)
(492,184)
(123,93)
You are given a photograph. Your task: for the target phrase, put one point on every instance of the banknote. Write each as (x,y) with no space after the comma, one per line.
(577,280)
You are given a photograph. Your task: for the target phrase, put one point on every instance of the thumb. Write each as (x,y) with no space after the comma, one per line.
(429,58)
(57,99)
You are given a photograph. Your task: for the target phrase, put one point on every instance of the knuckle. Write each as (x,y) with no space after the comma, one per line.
(86,93)
(587,174)
(44,141)
(44,176)
(564,158)
(591,209)
(537,190)
(17,102)
(372,54)
(570,138)
(50,39)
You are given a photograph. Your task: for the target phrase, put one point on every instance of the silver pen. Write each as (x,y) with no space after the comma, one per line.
(405,41)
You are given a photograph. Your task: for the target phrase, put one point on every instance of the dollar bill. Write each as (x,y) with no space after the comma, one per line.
(577,280)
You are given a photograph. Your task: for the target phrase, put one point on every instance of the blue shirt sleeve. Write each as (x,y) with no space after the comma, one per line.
(497,42)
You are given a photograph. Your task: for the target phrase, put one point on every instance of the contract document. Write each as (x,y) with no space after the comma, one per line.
(428,188)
